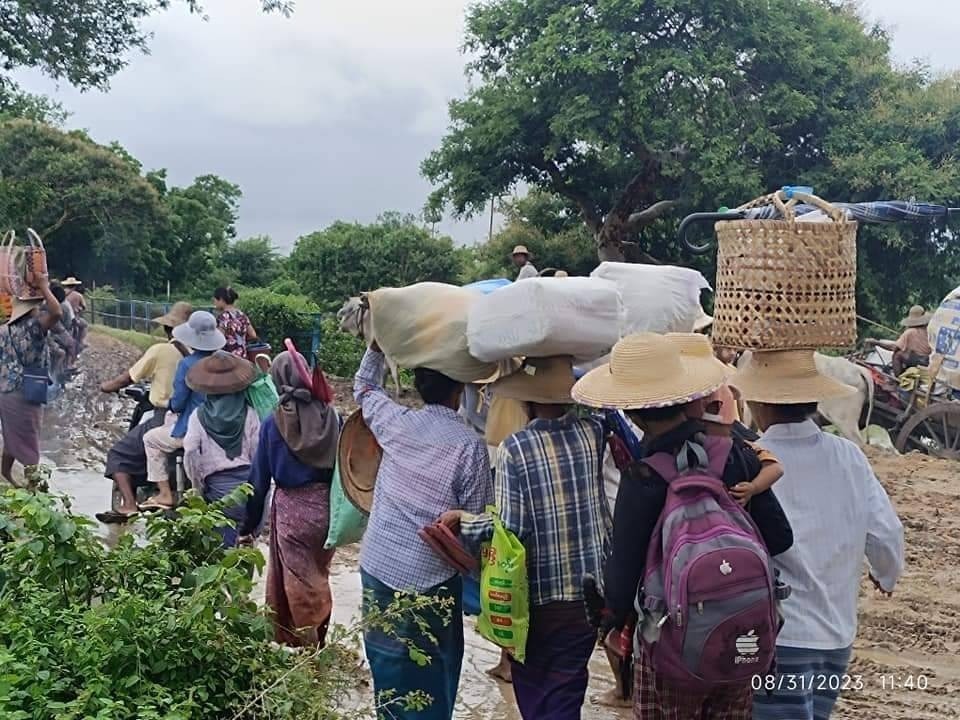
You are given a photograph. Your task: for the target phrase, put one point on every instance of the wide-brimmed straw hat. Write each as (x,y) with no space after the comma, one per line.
(698,348)
(200,332)
(359,456)
(71,282)
(21,308)
(222,373)
(547,381)
(786,377)
(178,315)
(646,371)
(917,317)
(702,322)
(521,250)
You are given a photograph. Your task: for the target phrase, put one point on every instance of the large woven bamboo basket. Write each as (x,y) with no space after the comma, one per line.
(784,284)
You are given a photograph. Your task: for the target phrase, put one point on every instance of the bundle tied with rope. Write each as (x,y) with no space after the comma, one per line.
(21,264)
(786,284)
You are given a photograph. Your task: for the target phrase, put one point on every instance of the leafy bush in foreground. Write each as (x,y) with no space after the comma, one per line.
(164,628)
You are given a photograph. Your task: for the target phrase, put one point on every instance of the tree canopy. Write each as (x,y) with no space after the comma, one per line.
(347,258)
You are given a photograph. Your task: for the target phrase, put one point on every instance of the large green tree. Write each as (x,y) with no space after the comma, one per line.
(253,262)
(618,106)
(97,215)
(348,258)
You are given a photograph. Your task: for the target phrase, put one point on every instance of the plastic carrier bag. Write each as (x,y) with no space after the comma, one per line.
(504,591)
(262,396)
(347,523)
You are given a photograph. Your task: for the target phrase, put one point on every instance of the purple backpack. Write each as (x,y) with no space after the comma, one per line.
(709,585)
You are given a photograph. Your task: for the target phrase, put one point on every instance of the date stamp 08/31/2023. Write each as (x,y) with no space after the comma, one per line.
(787,682)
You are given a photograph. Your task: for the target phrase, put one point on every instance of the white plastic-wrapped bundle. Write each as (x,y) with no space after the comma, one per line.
(542,317)
(424,325)
(944,334)
(656,298)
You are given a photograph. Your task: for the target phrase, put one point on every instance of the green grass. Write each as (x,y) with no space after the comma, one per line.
(136,339)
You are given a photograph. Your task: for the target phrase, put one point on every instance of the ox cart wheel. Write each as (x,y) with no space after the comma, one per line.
(934,430)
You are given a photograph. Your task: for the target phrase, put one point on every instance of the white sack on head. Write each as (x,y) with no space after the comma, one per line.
(542,317)
(944,336)
(656,298)
(425,325)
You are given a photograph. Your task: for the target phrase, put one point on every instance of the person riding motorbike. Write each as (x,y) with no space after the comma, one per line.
(127,459)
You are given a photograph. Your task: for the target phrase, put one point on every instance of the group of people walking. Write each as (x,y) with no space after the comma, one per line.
(789,516)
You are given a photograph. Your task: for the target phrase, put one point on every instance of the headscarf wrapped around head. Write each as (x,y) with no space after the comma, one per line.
(309,426)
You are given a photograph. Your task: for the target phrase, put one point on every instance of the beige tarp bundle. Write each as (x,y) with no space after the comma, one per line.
(425,325)
(944,334)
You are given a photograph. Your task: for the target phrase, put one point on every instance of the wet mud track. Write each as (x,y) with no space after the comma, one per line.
(913,635)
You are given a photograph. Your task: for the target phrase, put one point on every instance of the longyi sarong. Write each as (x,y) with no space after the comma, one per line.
(390,663)
(552,682)
(21,423)
(816,678)
(218,486)
(298,578)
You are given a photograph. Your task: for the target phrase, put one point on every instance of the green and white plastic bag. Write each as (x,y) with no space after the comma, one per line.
(347,524)
(262,396)
(504,591)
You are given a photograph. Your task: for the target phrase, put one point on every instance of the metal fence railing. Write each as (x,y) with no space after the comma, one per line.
(138,316)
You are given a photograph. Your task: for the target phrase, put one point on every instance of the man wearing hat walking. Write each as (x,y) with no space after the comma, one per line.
(912,348)
(521,259)
(127,459)
(840,514)
(550,494)
(78,303)
(201,336)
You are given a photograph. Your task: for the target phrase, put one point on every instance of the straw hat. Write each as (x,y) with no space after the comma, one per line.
(521,250)
(786,377)
(561,274)
(222,373)
(697,348)
(547,381)
(646,371)
(71,282)
(917,317)
(178,315)
(359,457)
(702,322)
(21,308)
(200,333)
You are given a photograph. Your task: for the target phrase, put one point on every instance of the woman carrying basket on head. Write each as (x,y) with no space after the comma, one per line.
(297,451)
(23,345)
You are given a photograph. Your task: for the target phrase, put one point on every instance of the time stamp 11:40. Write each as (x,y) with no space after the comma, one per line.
(838,683)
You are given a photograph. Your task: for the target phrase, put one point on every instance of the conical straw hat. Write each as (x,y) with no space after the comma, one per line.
(786,377)
(698,348)
(645,371)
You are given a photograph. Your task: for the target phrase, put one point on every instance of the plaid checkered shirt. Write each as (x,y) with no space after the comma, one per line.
(432,462)
(550,494)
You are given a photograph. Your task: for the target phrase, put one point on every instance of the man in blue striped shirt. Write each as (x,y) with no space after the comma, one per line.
(550,494)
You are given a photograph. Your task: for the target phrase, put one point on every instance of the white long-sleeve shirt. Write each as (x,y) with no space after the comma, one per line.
(527,271)
(840,514)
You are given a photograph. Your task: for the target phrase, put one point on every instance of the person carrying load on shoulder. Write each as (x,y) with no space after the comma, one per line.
(840,514)
(684,551)
(78,303)
(298,452)
(201,336)
(912,348)
(127,459)
(521,259)
(550,495)
(432,462)
(23,344)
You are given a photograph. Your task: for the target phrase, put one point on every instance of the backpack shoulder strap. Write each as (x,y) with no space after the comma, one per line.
(710,454)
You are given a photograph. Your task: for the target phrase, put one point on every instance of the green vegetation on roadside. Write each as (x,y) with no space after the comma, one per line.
(139,340)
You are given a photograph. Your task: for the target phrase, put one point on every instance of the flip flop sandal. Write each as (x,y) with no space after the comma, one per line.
(154,506)
(112,517)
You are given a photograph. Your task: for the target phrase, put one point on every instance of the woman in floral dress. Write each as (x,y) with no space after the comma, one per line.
(233,323)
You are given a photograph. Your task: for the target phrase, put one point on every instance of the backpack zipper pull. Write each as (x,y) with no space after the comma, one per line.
(679,616)
(700,608)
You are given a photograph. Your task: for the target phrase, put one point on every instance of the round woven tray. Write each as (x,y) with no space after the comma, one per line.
(783,284)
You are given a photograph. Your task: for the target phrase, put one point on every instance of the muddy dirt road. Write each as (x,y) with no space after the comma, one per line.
(907,654)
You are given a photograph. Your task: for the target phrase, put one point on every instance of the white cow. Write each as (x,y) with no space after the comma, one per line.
(843,413)
(355,320)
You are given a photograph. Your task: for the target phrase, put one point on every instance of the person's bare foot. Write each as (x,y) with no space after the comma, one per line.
(613,698)
(501,671)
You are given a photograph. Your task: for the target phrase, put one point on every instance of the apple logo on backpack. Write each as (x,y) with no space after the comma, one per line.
(748,646)
(725,568)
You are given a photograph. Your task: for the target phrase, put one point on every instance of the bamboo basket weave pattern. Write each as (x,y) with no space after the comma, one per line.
(786,285)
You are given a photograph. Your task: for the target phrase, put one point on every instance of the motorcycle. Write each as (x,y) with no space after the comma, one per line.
(143,411)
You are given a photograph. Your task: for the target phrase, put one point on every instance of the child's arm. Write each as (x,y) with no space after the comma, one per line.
(770,471)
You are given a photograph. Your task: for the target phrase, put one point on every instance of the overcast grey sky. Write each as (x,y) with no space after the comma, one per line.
(327,115)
